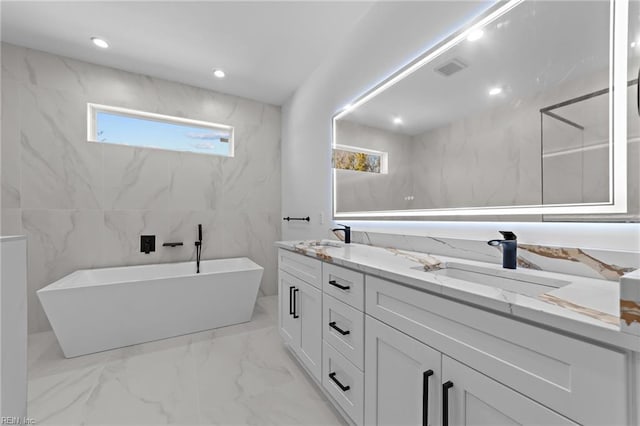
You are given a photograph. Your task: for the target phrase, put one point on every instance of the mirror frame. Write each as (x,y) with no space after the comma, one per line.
(618,40)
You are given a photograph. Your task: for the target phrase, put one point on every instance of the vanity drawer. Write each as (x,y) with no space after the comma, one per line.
(583,381)
(344,284)
(301,266)
(344,382)
(343,328)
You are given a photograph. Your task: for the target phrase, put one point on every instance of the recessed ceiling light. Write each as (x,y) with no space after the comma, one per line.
(475,35)
(219,73)
(100,42)
(397,120)
(495,91)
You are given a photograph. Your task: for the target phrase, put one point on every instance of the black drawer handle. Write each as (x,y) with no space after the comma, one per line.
(338,329)
(344,388)
(341,287)
(291,300)
(425,397)
(445,402)
(295,309)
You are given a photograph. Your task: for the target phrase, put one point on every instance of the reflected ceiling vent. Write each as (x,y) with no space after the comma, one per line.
(449,68)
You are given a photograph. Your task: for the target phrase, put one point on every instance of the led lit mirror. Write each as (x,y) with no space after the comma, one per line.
(516,114)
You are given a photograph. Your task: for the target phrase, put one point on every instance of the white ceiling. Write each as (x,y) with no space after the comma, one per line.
(266,48)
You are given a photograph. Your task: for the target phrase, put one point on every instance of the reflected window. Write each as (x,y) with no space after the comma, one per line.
(120,126)
(359,159)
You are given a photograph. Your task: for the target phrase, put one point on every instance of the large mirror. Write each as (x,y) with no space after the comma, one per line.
(515,114)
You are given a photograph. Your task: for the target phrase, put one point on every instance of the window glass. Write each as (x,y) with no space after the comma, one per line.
(136,128)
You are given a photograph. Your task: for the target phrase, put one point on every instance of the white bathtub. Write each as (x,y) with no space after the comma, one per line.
(94,310)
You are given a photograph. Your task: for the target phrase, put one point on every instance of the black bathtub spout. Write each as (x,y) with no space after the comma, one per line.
(198,248)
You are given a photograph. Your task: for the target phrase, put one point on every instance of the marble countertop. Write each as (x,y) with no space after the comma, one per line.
(586,307)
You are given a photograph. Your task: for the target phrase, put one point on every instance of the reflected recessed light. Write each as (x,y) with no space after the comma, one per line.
(475,35)
(100,42)
(495,91)
(219,73)
(347,107)
(397,120)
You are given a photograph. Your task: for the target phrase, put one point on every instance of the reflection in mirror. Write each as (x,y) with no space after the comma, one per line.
(515,114)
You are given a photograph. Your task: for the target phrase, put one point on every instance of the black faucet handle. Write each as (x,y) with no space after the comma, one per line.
(508,235)
(345,226)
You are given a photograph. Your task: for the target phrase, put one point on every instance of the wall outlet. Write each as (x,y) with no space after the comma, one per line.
(321,218)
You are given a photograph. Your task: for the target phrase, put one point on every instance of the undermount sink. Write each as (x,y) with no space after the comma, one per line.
(510,280)
(323,243)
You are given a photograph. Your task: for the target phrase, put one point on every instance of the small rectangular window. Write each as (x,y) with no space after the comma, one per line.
(359,159)
(120,126)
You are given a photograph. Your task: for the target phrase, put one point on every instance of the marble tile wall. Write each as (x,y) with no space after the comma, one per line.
(85,205)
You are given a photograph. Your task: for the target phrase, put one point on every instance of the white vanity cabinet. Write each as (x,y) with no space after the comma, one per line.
(410,383)
(402,377)
(583,381)
(471,398)
(343,337)
(383,352)
(300,312)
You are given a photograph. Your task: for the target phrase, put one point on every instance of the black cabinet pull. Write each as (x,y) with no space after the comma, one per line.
(341,287)
(295,308)
(344,388)
(338,329)
(445,402)
(291,300)
(425,396)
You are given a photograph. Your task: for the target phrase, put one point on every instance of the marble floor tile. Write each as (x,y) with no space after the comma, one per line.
(237,375)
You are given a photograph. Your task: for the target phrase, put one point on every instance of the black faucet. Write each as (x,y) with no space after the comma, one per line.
(347,232)
(198,248)
(509,249)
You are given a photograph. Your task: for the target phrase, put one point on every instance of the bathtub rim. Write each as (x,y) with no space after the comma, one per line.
(47,288)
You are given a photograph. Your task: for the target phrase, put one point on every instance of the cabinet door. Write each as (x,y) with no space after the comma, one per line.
(308,303)
(475,399)
(398,387)
(289,326)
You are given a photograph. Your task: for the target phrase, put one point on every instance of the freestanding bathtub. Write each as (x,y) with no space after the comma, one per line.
(94,310)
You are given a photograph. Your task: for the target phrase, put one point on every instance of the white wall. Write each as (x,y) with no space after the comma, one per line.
(390,35)
(13,326)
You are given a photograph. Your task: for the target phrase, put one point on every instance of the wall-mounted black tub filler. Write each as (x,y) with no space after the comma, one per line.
(509,249)
(198,248)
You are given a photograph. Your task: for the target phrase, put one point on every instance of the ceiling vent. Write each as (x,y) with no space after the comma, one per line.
(449,68)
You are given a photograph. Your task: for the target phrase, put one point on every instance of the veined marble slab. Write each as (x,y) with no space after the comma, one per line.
(630,303)
(592,263)
(588,307)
